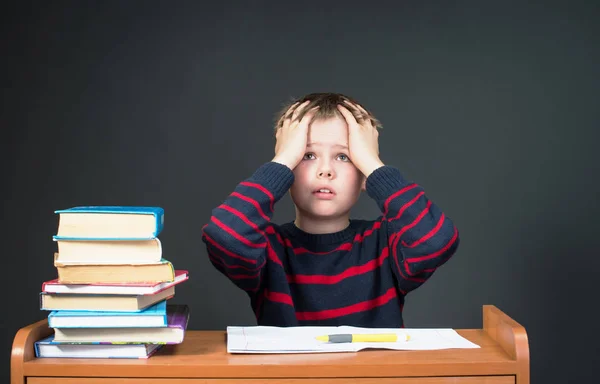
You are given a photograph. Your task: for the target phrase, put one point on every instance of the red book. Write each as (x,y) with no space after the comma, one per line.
(55,286)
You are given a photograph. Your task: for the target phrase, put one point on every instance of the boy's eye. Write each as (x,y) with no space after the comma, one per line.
(309,156)
(343,157)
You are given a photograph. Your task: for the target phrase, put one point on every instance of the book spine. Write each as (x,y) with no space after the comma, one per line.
(160,222)
(178,316)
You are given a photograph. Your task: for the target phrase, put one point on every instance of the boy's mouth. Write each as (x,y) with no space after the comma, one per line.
(324,193)
(324,190)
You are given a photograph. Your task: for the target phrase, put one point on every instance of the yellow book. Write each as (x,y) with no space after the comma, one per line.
(79,273)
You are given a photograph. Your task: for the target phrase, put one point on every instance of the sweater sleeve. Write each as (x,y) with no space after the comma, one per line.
(421,237)
(236,235)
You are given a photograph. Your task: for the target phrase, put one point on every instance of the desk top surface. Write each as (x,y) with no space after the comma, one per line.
(204,354)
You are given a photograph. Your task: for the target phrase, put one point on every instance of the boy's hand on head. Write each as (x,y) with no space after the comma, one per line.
(362,139)
(292,136)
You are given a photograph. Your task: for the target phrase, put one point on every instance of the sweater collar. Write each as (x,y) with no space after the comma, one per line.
(314,241)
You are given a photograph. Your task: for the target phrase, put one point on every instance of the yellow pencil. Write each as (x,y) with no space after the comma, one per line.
(362,338)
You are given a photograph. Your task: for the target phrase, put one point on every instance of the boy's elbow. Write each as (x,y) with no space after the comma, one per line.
(211,231)
(447,245)
(451,240)
(447,241)
(207,227)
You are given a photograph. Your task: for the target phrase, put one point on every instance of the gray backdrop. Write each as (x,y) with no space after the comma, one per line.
(491,106)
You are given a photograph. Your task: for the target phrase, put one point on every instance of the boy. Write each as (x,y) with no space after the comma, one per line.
(324,268)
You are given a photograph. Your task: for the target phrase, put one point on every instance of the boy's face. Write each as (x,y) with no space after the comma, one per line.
(326,166)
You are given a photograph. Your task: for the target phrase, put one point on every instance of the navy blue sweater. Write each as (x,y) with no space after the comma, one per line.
(358,276)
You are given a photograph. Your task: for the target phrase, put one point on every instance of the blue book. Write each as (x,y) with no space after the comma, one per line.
(48,347)
(154,316)
(104,222)
(177,321)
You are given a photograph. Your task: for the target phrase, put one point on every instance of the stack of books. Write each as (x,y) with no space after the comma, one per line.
(110,297)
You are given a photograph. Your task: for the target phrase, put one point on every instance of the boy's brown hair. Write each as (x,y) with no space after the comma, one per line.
(327,103)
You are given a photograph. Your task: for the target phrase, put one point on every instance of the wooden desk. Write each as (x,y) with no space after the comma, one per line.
(202,358)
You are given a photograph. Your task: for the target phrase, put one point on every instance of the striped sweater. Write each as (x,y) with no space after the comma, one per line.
(358,276)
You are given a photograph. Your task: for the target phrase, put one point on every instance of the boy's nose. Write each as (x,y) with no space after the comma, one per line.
(327,174)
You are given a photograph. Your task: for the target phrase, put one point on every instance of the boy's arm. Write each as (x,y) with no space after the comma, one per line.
(420,236)
(235,236)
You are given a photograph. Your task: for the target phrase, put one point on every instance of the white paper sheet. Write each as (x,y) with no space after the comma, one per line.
(263,339)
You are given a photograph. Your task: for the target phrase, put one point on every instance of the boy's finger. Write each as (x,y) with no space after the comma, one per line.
(291,109)
(360,111)
(347,115)
(352,105)
(291,115)
(299,109)
(288,114)
(309,115)
(284,120)
(366,116)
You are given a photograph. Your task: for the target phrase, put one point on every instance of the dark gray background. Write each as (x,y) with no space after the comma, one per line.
(491,106)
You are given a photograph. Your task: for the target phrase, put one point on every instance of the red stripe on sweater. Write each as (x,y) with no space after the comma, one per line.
(270,251)
(244,218)
(360,237)
(239,276)
(395,238)
(273,256)
(343,247)
(334,279)
(253,202)
(396,194)
(415,221)
(350,309)
(406,205)
(433,255)
(239,237)
(228,252)
(394,243)
(271,231)
(262,189)
(429,235)
(278,297)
